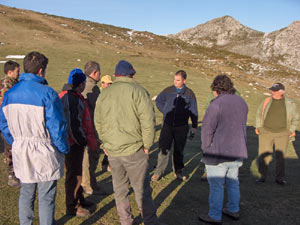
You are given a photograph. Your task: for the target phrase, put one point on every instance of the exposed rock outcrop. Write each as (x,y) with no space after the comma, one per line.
(282,46)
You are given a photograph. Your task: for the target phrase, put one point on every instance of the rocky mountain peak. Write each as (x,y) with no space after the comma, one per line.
(217,32)
(282,46)
(226,22)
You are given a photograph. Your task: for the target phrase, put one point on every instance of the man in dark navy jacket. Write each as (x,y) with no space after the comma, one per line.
(223,137)
(177,103)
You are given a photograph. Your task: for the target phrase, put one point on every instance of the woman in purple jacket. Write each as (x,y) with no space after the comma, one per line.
(223,137)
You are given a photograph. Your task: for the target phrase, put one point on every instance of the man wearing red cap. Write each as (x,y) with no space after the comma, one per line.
(276,122)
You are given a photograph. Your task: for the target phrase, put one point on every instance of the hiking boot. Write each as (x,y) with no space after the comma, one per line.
(155,177)
(207,219)
(234,216)
(13,181)
(82,212)
(88,191)
(180,176)
(204,176)
(281,182)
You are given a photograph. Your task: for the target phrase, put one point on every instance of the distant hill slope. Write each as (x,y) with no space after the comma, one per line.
(70,43)
(226,33)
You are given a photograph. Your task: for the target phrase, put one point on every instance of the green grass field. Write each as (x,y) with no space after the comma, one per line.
(178,203)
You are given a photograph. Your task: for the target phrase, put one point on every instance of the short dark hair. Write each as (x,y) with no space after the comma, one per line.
(34,61)
(10,66)
(90,67)
(222,84)
(182,73)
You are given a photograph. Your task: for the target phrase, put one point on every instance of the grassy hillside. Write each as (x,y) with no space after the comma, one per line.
(70,43)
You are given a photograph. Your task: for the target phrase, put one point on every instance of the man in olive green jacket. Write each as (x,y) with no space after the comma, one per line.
(125,122)
(276,122)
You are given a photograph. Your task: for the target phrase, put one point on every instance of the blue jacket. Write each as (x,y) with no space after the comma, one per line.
(223,132)
(178,107)
(32,120)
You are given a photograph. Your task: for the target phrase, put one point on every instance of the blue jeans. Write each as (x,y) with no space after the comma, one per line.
(47,195)
(218,175)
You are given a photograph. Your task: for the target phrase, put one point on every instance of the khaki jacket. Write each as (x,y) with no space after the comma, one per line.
(291,113)
(125,118)
(91,94)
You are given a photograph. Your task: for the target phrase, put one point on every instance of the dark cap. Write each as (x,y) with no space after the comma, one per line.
(277,87)
(124,68)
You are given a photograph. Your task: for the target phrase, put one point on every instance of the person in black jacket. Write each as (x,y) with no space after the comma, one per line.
(81,132)
(177,103)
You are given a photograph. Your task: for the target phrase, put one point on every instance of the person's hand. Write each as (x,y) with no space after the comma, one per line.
(105,152)
(146,151)
(257,131)
(293,134)
(192,134)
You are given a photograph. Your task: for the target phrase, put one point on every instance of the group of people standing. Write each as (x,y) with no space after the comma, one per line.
(44,131)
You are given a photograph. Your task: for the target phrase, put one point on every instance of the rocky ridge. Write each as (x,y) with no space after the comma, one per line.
(282,46)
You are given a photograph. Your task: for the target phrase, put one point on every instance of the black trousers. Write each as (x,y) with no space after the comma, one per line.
(74,190)
(168,135)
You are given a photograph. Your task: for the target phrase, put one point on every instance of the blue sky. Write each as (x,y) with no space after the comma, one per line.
(169,16)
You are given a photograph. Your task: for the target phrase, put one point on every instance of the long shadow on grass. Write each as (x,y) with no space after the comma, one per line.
(1,146)
(296,144)
(249,165)
(100,213)
(192,158)
(97,215)
(192,198)
(154,150)
(106,184)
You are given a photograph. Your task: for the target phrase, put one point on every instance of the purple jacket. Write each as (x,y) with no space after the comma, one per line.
(223,132)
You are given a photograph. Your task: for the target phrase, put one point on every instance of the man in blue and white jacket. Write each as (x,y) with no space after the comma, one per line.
(32,120)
